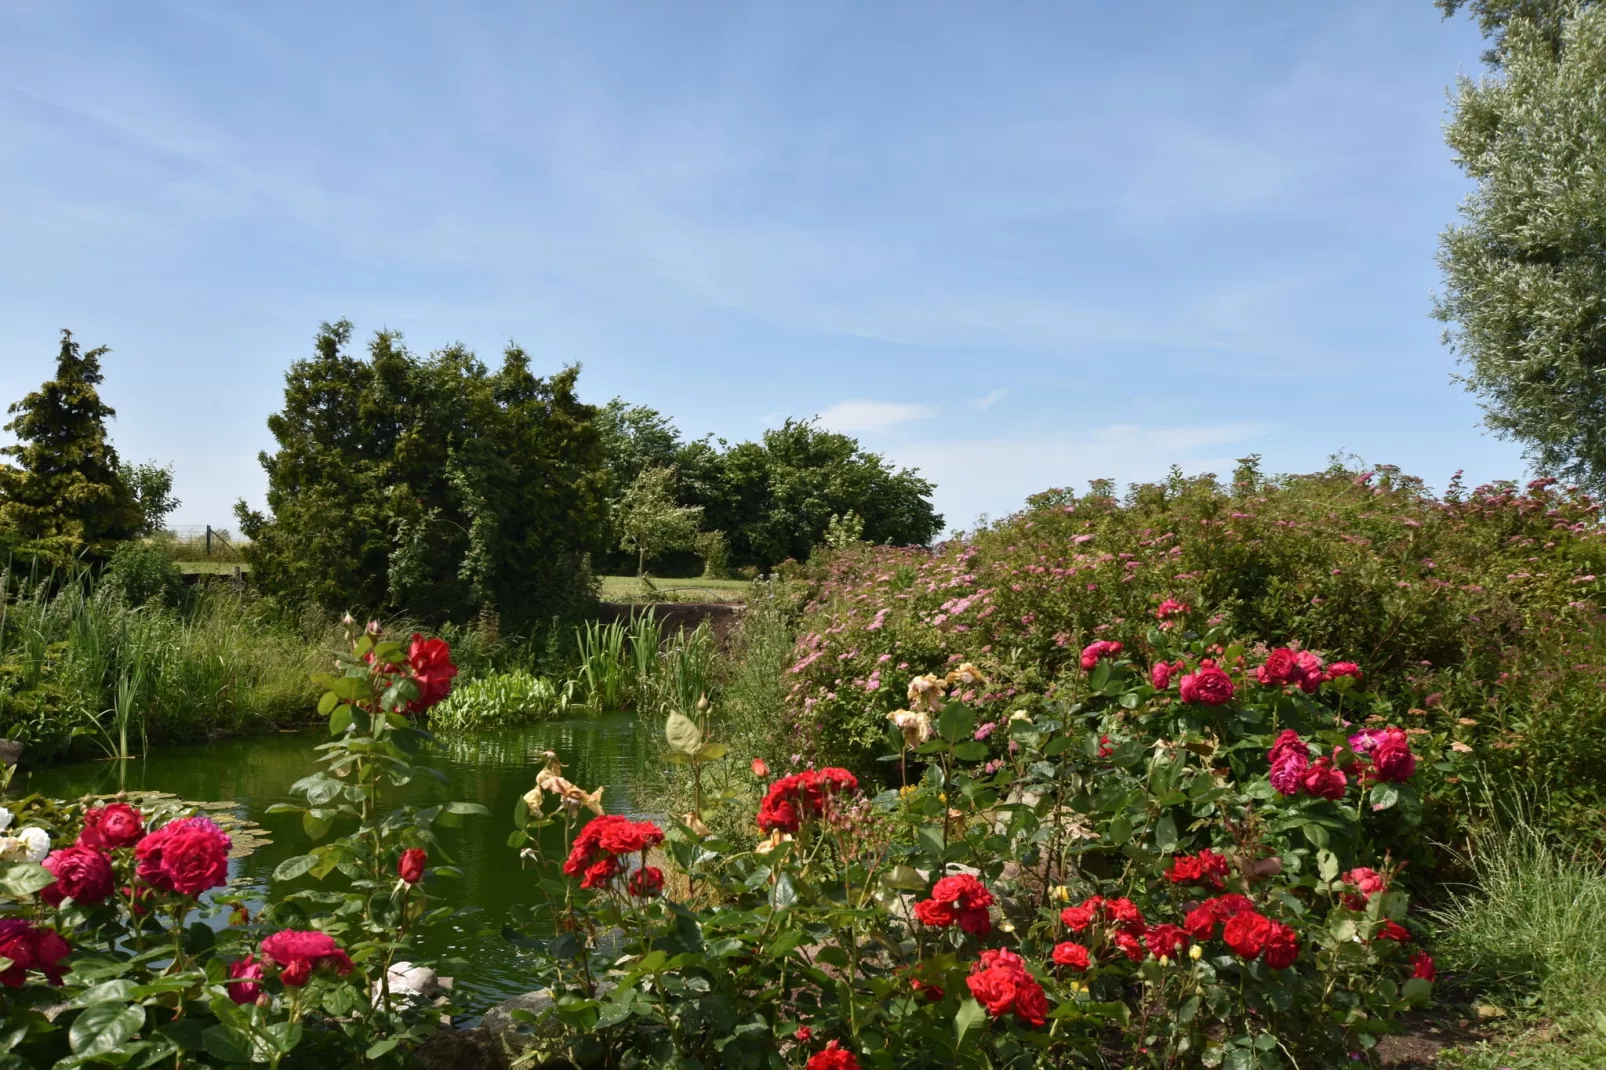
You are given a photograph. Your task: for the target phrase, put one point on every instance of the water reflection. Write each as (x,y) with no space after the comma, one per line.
(491,768)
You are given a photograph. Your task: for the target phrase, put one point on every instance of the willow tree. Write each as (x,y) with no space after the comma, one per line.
(1525,269)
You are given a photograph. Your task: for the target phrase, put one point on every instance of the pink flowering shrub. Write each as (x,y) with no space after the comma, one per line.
(1475,616)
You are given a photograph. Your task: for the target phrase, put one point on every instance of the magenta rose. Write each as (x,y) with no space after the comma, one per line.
(113,825)
(187,856)
(248,971)
(82,874)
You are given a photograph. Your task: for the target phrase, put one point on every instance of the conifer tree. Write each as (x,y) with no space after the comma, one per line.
(64,498)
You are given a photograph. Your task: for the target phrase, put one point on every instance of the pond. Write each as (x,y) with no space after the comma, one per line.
(491,768)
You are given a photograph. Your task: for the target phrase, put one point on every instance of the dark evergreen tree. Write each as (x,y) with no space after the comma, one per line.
(64,497)
(429,486)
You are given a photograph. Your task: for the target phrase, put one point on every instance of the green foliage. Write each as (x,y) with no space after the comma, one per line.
(1530,934)
(152,487)
(1525,270)
(649,520)
(774,499)
(430,487)
(221,663)
(141,572)
(503,700)
(713,548)
(1477,615)
(65,498)
(1547,18)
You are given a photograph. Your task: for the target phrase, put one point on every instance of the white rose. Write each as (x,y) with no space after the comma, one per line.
(5,819)
(11,849)
(35,842)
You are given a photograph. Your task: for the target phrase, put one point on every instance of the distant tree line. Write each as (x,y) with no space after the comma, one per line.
(436,487)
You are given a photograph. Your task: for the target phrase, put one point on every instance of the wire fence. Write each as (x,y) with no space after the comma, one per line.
(203,542)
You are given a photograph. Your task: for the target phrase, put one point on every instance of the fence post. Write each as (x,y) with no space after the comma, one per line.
(209,540)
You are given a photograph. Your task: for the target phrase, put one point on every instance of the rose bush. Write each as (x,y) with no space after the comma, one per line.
(122,942)
(1106,877)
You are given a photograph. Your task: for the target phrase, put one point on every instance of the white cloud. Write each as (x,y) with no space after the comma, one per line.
(856,416)
(995,476)
(993,397)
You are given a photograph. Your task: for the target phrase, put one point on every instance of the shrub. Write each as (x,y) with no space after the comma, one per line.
(1477,614)
(143,572)
(1123,871)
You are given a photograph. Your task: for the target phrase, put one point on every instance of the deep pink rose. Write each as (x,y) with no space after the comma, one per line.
(1093,653)
(30,948)
(1160,675)
(1288,773)
(81,873)
(187,856)
(298,952)
(1344,668)
(249,972)
(1280,668)
(1288,742)
(1282,947)
(1208,687)
(1392,758)
(1324,780)
(410,867)
(113,825)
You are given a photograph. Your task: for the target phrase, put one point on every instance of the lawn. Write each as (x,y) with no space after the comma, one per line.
(628,589)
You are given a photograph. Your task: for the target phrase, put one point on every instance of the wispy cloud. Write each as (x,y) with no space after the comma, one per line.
(857,416)
(992,398)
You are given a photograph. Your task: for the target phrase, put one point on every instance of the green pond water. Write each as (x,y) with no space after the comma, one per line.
(492,768)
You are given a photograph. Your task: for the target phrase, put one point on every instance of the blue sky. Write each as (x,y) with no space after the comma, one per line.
(1018,245)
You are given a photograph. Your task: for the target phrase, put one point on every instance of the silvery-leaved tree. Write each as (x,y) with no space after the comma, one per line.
(1525,269)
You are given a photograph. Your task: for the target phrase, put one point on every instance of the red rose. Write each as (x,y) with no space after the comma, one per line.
(1324,780)
(1247,934)
(410,867)
(600,872)
(1201,921)
(1394,931)
(1125,914)
(1184,870)
(933,993)
(298,952)
(936,915)
(1208,687)
(993,988)
(1280,668)
(114,825)
(1368,882)
(81,873)
(629,837)
(760,769)
(976,921)
(431,663)
(1422,966)
(249,972)
(187,856)
(833,1057)
(1077,919)
(1206,867)
(1282,947)
(1130,946)
(646,882)
(1072,955)
(964,891)
(804,1034)
(792,799)
(1392,759)
(1166,940)
(1031,1004)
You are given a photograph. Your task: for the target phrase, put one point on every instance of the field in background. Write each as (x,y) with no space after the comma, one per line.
(628,589)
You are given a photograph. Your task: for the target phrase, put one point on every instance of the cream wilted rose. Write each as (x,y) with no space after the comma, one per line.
(967,675)
(915,726)
(925,693)
(1021,715)
(777,837)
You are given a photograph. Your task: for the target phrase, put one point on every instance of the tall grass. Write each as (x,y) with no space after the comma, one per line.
(81,665)
(603,673)
(1529,935)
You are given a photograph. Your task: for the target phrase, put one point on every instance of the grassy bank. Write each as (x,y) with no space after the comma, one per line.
(630,589)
